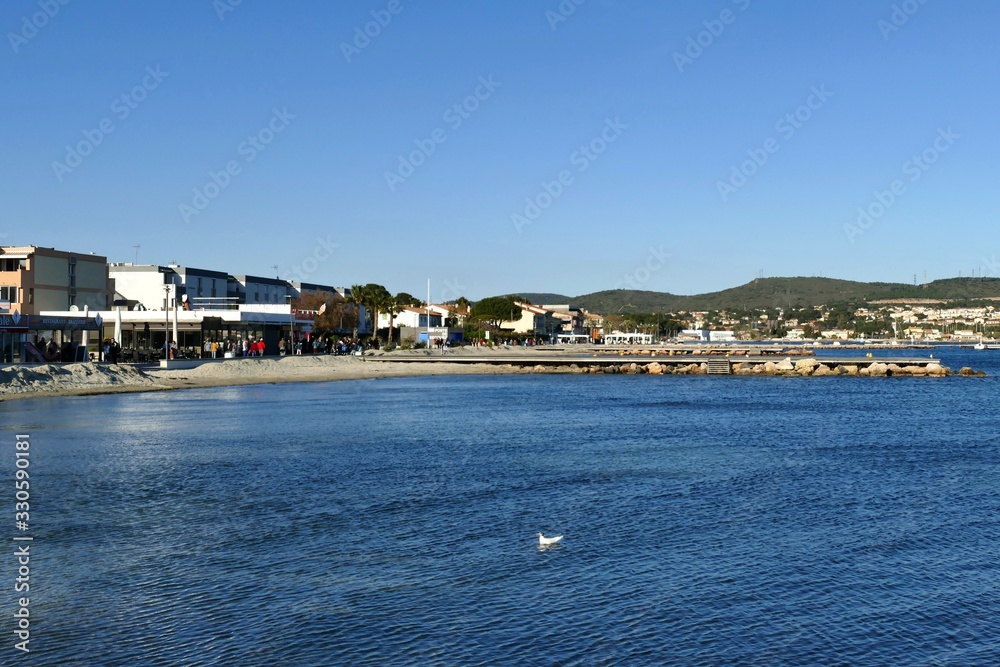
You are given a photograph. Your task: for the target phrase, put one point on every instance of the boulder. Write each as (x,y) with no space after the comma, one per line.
(936,370)
(878,369)
(850,369)
(864,371)
(915,371)
(785,365)
(655,368)
(821,371)
(806,363)
(966,371)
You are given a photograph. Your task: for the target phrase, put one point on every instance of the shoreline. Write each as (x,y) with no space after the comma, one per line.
(24,381)
(93,379)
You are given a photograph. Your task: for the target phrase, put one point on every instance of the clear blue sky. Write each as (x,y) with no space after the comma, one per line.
(330,122)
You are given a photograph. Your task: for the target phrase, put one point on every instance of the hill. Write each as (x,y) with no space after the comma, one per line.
(538,298)
(777,293)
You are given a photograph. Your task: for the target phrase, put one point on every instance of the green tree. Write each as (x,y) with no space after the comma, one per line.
(379,299)
(405,299)
(494,310)
(356,297)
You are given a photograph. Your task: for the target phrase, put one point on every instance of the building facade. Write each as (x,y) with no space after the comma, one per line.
(33,279)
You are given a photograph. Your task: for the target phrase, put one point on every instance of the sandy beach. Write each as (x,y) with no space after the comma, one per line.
(80,379)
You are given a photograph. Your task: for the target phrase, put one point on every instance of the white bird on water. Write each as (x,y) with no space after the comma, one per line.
(547,541)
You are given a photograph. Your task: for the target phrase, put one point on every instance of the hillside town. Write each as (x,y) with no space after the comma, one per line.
(62,305)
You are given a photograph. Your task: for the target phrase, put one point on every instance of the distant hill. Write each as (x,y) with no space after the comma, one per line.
(775,293)
(538,298)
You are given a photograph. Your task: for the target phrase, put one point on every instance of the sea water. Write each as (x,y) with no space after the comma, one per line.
(707,521)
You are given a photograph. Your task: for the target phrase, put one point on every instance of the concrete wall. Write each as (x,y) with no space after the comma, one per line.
(50,271)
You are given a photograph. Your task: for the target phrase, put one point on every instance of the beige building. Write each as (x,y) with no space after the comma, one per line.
(33,279)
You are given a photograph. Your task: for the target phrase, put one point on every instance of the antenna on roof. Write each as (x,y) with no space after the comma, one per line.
(275,267)
(136,246)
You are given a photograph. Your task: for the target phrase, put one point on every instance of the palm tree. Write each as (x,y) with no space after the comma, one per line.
(395,306)
(380,300)
(357,299)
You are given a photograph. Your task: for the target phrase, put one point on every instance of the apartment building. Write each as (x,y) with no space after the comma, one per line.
(33,279)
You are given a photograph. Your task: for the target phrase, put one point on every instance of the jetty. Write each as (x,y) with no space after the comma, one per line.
(701,362)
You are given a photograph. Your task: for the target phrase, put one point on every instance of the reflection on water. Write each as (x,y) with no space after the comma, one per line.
(707,520)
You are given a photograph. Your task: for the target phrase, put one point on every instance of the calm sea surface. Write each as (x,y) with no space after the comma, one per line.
(708,521)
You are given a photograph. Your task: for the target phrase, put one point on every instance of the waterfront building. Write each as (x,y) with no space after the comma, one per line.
(33,279)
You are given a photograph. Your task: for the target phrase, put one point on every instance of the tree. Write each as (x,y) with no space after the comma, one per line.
(405,299)
(395,306)
(379,299)
(356,298)
(494,310)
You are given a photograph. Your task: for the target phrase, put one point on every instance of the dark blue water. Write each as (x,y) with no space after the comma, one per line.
(708,521)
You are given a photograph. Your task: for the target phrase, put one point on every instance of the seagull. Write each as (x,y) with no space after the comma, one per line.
(547,541)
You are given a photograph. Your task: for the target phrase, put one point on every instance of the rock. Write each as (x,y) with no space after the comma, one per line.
(915,371)
(655,368)
(864,371)
(806,363)
(633,367)
(965,371)
(936,370)
(850,369)
(878,369)
(770,368)
(785,365)
(821,371)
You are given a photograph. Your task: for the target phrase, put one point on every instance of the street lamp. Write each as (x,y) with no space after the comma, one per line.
(166,321)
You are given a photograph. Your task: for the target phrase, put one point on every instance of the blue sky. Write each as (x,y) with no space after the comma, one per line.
(672,146)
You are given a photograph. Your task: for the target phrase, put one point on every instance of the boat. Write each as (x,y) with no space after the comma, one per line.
(979,346)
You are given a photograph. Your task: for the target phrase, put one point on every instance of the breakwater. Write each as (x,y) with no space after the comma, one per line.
(689,364)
